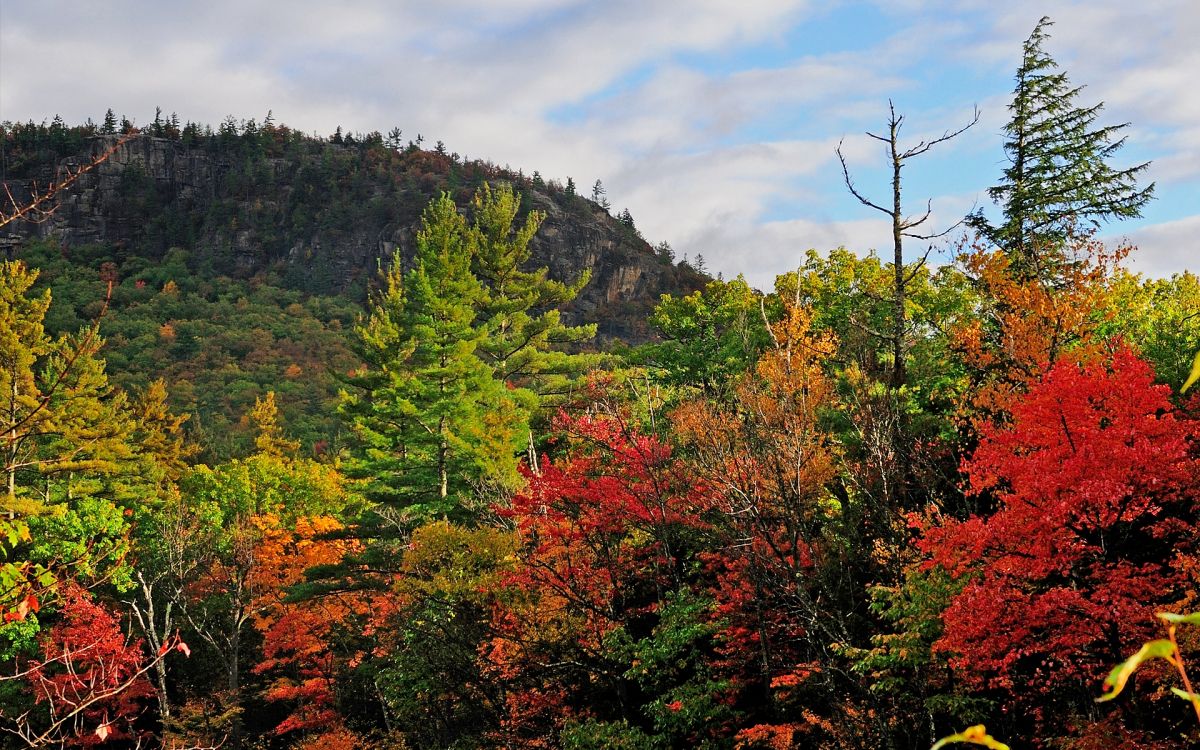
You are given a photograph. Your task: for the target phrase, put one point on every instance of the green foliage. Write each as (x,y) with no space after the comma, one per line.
(1059,174)
(900,664)
(60,419)
(689,703)
(1161,317)
(431,680)
(89,537)
(218,343)
(606,735)
(517,310)
(430,417)
(266,484)
(710,337)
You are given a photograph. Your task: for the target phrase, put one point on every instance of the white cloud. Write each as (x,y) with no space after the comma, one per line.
(1166,248)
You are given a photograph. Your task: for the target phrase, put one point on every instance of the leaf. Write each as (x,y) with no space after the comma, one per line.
(184,648)
(1115,682)
(1188,619)
(1190,697)
(102,732)
(976,735)
(1194,376)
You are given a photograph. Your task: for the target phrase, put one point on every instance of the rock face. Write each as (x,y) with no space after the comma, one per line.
(323,216)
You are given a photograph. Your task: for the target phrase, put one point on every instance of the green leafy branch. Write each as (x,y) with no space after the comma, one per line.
(1162,648)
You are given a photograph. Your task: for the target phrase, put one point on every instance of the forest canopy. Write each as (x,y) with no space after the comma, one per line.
(881,503)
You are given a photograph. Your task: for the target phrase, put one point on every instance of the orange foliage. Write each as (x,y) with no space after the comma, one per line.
(295,634)
(1028,324)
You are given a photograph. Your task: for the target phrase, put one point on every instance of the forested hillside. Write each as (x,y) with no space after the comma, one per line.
(880,505)
(241,257)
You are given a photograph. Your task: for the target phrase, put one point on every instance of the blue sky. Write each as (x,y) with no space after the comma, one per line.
(713,121)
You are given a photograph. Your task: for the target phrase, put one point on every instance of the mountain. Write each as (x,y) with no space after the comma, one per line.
(240,258)
(246,199)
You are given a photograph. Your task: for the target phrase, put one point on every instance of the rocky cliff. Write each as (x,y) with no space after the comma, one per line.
(320,215)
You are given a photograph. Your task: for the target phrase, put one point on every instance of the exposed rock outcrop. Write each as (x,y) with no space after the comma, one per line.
(322,215)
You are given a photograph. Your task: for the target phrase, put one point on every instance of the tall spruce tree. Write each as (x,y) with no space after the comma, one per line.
(431,419)
(1058,177)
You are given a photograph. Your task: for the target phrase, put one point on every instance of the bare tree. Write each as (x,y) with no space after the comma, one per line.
(902,226)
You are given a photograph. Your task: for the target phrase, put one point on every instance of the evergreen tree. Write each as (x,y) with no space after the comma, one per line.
(270,440)
(110,123)
(430,418)
(518,309)
(1058,175)
(599,196)
(58,415)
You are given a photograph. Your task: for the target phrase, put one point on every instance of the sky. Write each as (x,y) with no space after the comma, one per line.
(713,121)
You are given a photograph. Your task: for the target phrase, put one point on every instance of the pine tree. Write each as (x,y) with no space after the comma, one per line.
(110,123)
(599,196)
(270,440)
(518,310)
(431,419)
(1058,175)
(58,414)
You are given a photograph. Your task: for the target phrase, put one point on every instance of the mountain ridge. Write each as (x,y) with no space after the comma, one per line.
(322,214)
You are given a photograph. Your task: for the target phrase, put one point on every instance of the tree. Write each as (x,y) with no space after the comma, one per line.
(58,413)
(89,678)
(605,533)
(430,417)
(1092,483)
(599,197)
(523,332)
(902,225)
(1058,174)
(710,337)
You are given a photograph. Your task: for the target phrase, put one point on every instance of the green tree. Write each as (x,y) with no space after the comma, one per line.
(430,418)
(59,416)
(517,309)
(710,337)
(1058,176)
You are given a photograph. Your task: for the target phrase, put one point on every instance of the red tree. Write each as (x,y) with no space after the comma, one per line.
(605,531)
(90,677)
(1093,483)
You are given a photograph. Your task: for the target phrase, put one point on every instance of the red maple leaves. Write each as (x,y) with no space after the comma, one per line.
(1090,480)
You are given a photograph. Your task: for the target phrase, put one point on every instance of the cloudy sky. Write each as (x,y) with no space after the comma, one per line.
(713,121)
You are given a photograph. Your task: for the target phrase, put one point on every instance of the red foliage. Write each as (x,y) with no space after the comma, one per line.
(606,519)
(604,531)
(1092,483)
(296,634)
(90,674)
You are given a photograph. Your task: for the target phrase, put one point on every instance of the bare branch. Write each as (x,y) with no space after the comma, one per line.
(850,182)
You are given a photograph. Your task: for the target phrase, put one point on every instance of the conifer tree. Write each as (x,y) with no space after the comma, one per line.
(270,440)
(518,309)
(58,413)
(1058,175)
(429,415)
